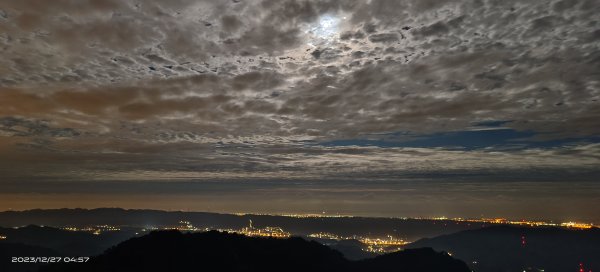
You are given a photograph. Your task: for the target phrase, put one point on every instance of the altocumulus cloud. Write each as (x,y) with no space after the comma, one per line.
(126,90)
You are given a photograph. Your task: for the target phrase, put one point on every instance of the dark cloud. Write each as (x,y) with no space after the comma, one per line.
(383,38)
(20,127)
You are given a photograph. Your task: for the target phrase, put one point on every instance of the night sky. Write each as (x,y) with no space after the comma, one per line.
(380,108)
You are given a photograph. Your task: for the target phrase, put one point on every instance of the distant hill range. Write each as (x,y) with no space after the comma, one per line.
(216,251)
(497,248)
(408,229)
(506,248)
(484,249)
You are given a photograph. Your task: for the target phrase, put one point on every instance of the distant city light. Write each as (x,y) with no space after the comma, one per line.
(377,245)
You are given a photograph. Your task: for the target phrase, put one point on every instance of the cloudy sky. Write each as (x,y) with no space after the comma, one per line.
(375,107)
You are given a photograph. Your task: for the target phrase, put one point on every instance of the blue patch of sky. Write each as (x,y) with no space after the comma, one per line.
(491,123)
(485,135)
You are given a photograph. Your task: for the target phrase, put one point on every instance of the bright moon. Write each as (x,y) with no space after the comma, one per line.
(324,30)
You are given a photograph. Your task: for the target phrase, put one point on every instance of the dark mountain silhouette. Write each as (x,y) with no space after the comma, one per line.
(351,249)
(9,250)
(505,248)
(216,251)
(414,260)
(67,243)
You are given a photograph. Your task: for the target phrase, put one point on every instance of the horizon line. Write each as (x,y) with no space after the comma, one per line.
(316,215)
